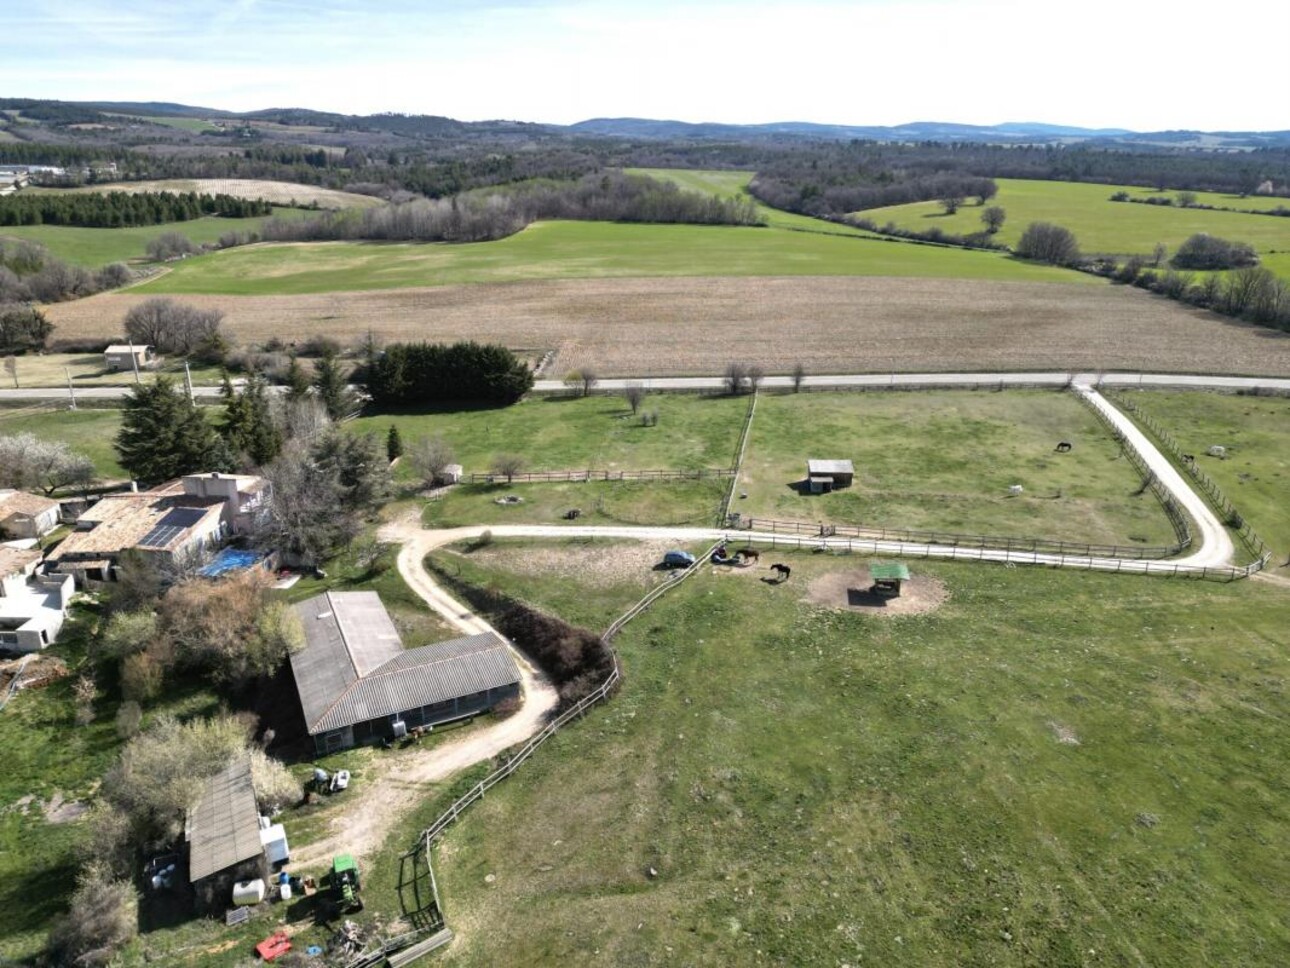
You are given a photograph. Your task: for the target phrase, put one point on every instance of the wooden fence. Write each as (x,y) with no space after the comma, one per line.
(953,539)
(537,477)
(514,760)
(1253,543)
(724,511)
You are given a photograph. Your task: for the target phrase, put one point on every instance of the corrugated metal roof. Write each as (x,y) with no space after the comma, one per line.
(814,467)
(420,677)
(224,826)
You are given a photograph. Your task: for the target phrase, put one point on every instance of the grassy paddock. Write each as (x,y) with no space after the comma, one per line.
(1255,476)
(98,247)
(945,460)
(596,432)
(626,502)
(568,250)
(1054,768)
(1099,224)
(89,431)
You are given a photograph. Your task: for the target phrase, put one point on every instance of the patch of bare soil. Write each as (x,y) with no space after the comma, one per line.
(40,671)
(58,810)
(677,326)
(849,591)
(597,565)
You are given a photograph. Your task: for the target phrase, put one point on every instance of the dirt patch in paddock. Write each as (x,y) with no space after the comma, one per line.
(593,565)
(849,591)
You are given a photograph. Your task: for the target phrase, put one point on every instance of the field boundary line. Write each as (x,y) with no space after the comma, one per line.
(723,512)
(588,476)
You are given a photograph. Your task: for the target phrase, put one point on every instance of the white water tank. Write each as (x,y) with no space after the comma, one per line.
(248,892)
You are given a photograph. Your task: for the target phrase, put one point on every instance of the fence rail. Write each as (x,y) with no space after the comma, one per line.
(724,511)
(1248,536)
(957,540)
(535,477)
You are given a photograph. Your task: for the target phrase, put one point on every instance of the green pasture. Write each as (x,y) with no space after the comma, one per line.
(1053,768)
(1100,225)
(728,184)
(99,247)
(1255,475)
(87,431)
(570,250)
(597,432)
(945,460)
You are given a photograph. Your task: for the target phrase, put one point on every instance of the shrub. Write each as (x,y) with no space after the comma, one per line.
(1046,242)
(1204,251)
(577,659)
(275,786)
(104,917)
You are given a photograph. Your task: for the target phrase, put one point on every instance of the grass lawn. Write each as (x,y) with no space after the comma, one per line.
(87,370)
(1099,224)
(88,431)
(596,433)
(601,502)
(1255,476)
(945,460)
(1054,768)
(567,250)
(98,247)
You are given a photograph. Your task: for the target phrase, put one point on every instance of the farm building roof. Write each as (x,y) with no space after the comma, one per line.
(155,520)
(354,668)
(889,572)
(224,826)
(15,560)
(816,468)
(20,502)
(127,348)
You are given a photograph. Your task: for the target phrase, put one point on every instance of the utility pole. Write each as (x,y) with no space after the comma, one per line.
(71,390)
(134,360)
(188,381)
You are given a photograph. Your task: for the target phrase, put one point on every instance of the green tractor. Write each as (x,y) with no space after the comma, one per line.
(345,884)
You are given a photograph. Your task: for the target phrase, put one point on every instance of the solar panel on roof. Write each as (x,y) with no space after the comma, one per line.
(175,523)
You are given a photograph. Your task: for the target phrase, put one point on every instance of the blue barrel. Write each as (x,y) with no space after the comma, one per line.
(284,878)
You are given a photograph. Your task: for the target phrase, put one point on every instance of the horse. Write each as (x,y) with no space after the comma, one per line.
(1063,446)
(783,571)
(749,555)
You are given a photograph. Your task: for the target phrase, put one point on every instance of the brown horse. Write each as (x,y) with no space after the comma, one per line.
(782,571)
(749,555)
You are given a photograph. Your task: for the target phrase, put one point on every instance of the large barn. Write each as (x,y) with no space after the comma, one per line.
(358,684)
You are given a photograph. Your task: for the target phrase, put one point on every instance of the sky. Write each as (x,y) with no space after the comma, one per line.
(1139,64)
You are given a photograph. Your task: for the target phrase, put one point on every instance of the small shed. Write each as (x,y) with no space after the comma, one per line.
(451,474)
(24,515)
(223,834)
(123,356)
(888,578)
(823,476)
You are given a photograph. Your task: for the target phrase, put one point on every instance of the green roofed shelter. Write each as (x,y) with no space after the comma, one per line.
(887,577)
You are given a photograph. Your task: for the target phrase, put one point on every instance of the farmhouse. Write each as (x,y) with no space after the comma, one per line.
(357,683)
(123,356)
(32,607)
(823,476)
(227,839)
(172,523)
(24,515)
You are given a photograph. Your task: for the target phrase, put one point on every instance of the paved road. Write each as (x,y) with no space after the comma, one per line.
(839,381)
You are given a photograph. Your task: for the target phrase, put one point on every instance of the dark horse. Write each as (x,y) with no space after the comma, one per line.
(749,555)
(783,571)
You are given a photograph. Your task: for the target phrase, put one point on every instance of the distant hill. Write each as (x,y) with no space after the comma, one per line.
(1013,132)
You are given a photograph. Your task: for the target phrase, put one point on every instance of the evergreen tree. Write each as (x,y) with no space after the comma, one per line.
(332,389)
(249,427)
(298,385)
(393,444)
(163,435)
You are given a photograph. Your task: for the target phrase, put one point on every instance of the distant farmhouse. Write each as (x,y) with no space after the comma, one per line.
(171,524)
(358,684)
(121,357)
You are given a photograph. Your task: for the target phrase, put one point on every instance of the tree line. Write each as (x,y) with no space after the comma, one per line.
(437,372)
(122,209)
(28,273)
(496,213)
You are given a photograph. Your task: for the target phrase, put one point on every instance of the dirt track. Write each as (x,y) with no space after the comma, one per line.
(677,326)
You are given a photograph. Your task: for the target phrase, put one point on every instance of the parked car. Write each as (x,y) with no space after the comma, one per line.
(678,559)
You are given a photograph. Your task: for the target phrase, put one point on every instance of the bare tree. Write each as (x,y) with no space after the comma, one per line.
(507,466)
(634,393)
(1185,199)
(756,374)
(174,327)
(171,245)
(429,457)
(993,218)
(799,374)
(1158,254)
(951,203)
(582,382)
(734,377)
(1046,242)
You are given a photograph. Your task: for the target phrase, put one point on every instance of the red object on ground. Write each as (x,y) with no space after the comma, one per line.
(274,946)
